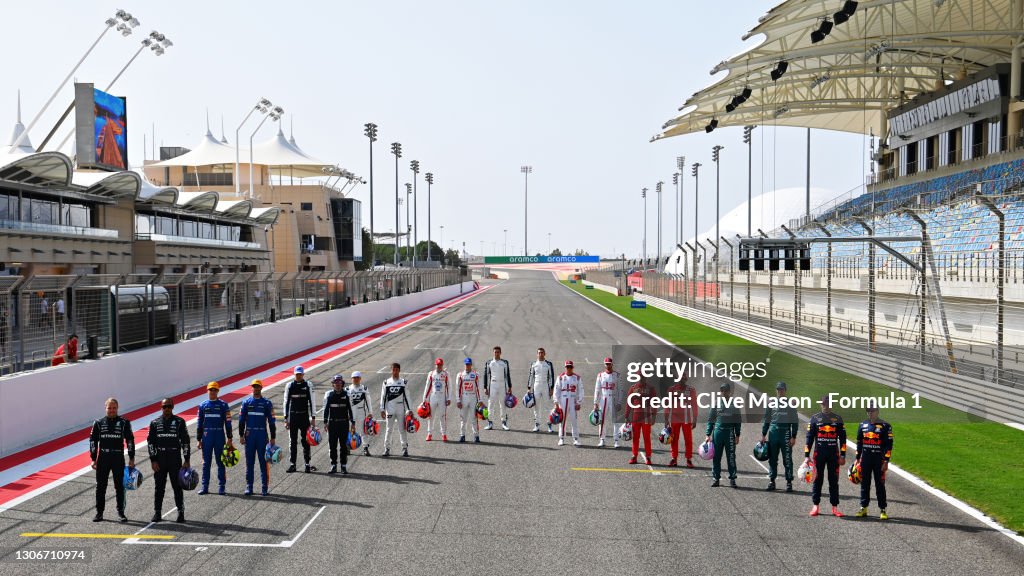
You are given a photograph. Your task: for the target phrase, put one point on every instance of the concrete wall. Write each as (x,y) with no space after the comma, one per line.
(46,404)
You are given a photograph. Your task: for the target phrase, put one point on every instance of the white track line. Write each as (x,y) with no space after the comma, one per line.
(916,481)
(759,463)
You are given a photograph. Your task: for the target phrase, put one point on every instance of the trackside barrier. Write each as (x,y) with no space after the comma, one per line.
(73,394)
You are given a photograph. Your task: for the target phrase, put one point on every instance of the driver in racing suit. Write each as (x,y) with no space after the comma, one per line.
(467,396)
(359,395)
(497,385)
(568,397)
(541,384)
(605,400)
(394,406)
(437,394)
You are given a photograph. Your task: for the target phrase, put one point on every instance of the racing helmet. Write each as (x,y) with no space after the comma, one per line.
(132,478)
(424,410)
(529,400)
(188,478)
(313,436)
(511,401)
(626,432)
(556,415)
(595,417)
(665,436)
(807,472)
(706,451)
(370,426)
(230,457)
(761,451)
(855,472)
(412,425)
(354,440)
(272,453)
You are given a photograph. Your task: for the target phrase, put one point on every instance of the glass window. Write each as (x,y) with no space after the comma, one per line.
(305,205)
(223,232)
(43,212)
(189,228)
(4,208)
(236,233)
(143,224)
(81,216)
(165,226)
(205,230)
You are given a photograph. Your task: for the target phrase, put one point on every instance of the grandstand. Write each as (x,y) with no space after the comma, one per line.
(939,83)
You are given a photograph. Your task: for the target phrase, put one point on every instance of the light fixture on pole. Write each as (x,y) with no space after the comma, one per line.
(715,157)
(429,177)
(401,202)
(675,182)
(124,22)
(549,243)
(156,42)
(441,244)
(504,245)
(779,70)
(396,149)
(262,106)
(526,170)
(370,130)
(274,114)
(415,166)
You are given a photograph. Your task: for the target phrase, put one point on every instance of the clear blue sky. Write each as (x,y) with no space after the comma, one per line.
(473,90)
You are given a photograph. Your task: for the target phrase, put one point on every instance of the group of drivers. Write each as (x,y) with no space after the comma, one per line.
(560,396)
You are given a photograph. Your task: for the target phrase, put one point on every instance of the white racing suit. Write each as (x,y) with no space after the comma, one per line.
(468,393)
(606,397)
(542,383)
(568,394)
(497,380)
(359,396)
(438,395)
(394,403)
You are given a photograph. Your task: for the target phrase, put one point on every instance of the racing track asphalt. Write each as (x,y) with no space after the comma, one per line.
(513,503)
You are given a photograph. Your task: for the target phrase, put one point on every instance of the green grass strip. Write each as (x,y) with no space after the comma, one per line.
(975,460)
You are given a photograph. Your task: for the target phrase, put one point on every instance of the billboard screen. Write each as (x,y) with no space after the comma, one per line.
(101,129)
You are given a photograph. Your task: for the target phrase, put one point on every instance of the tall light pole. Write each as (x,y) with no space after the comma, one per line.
(275,114)
(681,168)
(408,222)
(643,194)
(657,188)
(262,106)
(370,130)
(441,244)
(124,23)
(675,182)
(696,222)
(549,243)
(156,42)
(716,153)
(401,201)
(748,140)
(429,176)
(504,245)
(415,166)
(526,170)
(396,149)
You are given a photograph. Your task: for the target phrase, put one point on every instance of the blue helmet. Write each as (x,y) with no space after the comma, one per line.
(511,401)
(354,440)
(529,400)
(188,478)
(132,478)
(467,361)
(273,453)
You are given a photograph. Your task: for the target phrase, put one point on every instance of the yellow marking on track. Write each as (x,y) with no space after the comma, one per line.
(94,536)
(642,470)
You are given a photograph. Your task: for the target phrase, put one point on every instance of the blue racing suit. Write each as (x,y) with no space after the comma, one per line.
(214,426)
(254,424)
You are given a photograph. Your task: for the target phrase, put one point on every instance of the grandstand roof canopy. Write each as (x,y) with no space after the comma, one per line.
(888,52)
(277,152)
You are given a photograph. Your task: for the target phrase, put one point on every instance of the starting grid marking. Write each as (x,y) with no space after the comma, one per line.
(93,536)
(150,540)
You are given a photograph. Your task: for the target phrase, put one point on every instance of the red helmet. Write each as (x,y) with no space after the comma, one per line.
(424,410)
(412,425)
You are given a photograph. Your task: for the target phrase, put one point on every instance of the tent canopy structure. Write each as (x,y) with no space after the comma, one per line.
(109,184)
(265,216)
(48,169)
(277,152)
(885,53)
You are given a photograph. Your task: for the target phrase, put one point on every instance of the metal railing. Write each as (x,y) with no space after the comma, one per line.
(110,313)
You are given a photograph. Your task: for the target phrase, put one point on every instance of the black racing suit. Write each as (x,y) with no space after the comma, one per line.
(107,442)
(298,407)
(874,446)
(827,434)
(169,446)
(338,418)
